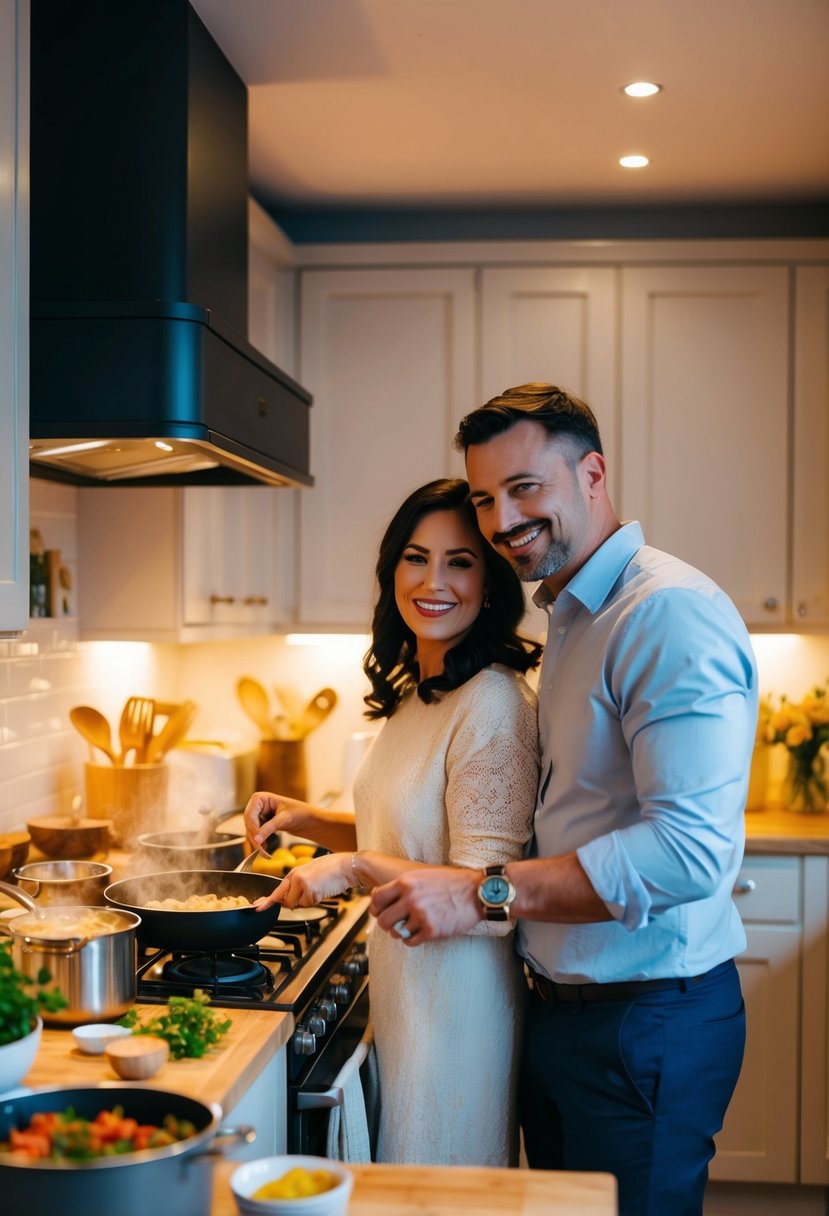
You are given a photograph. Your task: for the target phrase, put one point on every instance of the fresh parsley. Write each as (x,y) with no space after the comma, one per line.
(189,1025)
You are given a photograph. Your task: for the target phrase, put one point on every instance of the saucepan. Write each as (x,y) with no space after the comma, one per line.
(209,931)
(195,849)
(175,1178)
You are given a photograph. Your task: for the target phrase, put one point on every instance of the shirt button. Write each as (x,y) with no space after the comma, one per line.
(562,628)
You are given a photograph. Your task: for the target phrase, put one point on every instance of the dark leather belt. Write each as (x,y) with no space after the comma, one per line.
(627,990)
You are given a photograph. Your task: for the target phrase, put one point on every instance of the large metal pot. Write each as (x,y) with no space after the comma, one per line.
(177,1178)
(205,931)
(96,973)
(61,883)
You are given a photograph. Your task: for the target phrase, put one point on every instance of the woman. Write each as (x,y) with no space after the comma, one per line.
(451,778)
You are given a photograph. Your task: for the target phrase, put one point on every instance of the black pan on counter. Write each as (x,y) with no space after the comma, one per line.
(200,931)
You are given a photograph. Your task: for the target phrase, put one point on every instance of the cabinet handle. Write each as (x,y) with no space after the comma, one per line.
(255,599)
(223,599)
(801,609)
(770,604)
(744,886)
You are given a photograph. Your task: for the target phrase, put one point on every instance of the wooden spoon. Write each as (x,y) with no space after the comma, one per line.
(136,728)
(94,727)
(316,711)
(172,732)
(254,701)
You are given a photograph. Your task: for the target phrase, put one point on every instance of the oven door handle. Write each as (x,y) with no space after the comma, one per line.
(334,1095)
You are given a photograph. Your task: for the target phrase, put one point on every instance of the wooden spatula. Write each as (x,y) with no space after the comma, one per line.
(136,728)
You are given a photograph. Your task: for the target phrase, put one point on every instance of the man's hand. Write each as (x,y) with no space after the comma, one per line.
(428,903)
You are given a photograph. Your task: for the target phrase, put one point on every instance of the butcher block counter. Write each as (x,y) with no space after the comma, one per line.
(407,1190)
(224,1075)
(776,830)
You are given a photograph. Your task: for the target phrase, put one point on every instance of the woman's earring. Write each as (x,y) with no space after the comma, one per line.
(485,604)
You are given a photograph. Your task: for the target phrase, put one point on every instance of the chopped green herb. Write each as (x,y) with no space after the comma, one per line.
(189,1025)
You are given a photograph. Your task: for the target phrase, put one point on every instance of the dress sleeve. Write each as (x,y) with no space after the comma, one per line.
(492,777)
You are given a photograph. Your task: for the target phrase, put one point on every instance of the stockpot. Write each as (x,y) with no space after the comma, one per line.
(89,953)
(176,1178)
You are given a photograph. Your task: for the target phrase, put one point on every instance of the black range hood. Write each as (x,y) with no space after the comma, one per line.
(140,370)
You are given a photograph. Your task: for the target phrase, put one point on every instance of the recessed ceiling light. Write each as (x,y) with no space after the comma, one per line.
(633,162)
(642,88)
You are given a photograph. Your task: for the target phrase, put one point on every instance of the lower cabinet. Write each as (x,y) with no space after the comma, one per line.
(777,1126)
(264,1108)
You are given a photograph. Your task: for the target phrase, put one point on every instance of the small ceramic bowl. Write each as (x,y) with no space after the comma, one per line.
(248,1178)
(94,1038)
(138,1057)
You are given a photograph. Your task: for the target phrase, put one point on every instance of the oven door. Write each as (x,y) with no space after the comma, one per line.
(318,1088)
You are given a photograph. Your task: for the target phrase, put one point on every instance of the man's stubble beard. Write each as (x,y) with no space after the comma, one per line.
(556,556)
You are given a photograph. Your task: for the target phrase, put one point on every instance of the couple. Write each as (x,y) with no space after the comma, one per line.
(648,700)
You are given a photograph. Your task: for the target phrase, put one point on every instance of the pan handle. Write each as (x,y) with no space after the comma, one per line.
(230,1138)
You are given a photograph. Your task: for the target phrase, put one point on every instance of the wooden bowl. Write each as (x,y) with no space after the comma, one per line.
(138,1057)
(14,849)
(63,836)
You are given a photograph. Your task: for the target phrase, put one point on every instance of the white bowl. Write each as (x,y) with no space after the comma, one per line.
(17,1057)
(253,1174)
(93,1038)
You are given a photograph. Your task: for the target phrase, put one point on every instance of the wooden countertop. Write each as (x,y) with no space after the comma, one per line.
(407,1190)
(776,830)
(222,1076)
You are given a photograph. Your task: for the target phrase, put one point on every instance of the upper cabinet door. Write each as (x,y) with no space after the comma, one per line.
(14,315)
(705,424)
(555,324)
(389,358)
(810,530)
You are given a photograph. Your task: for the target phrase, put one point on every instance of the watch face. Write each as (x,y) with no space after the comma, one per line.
(495,889)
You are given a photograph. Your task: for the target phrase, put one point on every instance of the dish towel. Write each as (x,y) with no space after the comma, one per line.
(349,1136)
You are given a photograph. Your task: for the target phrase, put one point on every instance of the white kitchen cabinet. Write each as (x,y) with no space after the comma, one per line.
(814,1111)
(199,563)
(264,1108)
(14,316)
(555,324)
(759,1141)
(810,490)
(705,425)
(389,356)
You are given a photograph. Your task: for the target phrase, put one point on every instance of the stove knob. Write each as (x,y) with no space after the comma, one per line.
(340,989)
(356,964)
(316,1023)
(305,1043)
(328,1009)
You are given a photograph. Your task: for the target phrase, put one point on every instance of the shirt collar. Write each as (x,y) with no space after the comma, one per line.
(593,582)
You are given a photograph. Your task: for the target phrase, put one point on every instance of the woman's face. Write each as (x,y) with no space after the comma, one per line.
(439,585)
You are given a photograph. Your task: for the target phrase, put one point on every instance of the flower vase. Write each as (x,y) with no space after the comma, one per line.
(806,785)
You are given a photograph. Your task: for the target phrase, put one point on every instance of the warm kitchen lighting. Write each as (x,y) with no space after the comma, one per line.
(642,88)
(64,449)
(633,162)
(328,639)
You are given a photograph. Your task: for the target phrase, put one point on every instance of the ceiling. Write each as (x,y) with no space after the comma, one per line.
(459,103)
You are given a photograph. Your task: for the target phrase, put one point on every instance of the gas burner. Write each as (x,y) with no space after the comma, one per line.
(215,969)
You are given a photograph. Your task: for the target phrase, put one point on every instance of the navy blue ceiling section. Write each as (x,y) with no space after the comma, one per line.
(342,225)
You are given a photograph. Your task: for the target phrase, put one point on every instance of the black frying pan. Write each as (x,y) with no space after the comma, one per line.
(207,931)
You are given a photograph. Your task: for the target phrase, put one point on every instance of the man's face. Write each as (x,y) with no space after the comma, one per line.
(530,494)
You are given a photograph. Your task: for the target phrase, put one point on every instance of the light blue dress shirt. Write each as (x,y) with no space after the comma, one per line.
(647,715)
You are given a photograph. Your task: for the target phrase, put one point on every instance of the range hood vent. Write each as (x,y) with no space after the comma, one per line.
(141,373)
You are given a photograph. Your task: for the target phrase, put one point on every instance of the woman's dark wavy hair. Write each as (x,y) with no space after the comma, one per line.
(390,662)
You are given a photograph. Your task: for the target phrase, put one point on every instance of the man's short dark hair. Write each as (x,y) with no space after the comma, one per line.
(560,413)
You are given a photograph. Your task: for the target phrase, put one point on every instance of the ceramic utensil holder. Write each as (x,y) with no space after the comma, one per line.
(280,767)
(134,797)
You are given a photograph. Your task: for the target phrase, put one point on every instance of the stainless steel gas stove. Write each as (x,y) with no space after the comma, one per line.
(313,965)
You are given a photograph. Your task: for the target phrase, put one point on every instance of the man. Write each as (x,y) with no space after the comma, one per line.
(647,712)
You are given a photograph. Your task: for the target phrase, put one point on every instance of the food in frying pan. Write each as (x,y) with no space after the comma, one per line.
(64,1135)
(200,903)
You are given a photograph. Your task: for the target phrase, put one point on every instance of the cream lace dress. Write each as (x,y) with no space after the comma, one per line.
(451,782)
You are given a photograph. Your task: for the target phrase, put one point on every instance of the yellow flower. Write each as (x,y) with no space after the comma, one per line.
(782,719)
(797,734)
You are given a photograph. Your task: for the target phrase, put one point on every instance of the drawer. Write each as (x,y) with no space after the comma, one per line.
(767,890)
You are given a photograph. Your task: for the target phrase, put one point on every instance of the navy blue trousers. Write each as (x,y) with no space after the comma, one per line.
(634,1088)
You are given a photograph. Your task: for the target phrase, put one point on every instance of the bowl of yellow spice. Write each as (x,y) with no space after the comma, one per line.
(292,1185)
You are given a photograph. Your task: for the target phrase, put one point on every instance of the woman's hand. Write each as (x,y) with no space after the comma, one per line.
(306,885)
(267,813)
